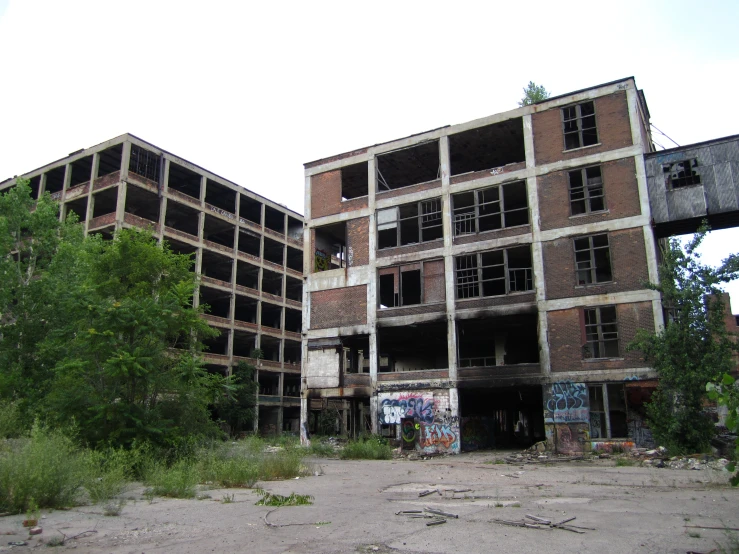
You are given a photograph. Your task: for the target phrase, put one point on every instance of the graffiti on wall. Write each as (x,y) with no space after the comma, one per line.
(436,436)
(409,430)
(392,410)
(640,433)
(477,433)
(570,438)
(322,260)
(566,402)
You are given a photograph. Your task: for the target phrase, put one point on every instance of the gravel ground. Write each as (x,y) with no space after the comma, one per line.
(629,509)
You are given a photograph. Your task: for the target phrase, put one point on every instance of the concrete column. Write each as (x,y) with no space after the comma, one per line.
(95,168)
(65,186)
(448,226)
(120,208)
(537,254)
(41,185)
(125,159)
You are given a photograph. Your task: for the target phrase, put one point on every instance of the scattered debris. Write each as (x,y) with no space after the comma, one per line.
(437,517)
(17,543)
(35,531)
(276,525)
(542,523)
(427,492)
(269,499)
(440,513)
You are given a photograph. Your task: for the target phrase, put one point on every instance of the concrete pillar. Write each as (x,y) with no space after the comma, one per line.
(120,208)
(125,159)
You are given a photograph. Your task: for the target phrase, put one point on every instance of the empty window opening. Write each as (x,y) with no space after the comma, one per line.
(220,196)
(356,354)
(217,302)
(292,352)
(269,420)
(110,160)
(245,309)
(293,288)
(269,383)
(244,343)
(216,266)
(250,209)
(586,190)
(578,122)
(271,282)
(247,275)
(217,345)
(354,181)
(218,231)
(494,273)
(274,251)
(608,411)
(271,315)
(55,179)
(183,249)
(489,342)
(681,174)
(142,203)
(593,260)
(216,369)
(182,218)
(35,184)
(105,202)
(274,220)
(270,347)
(293,320)
(600,333)
(294,259)
(77,207)
(410,285)
(81,171)
(490,208)
(487,147)
(502,417)
(184,181)
(410,223)
(294,228)
(330,247)
(291,384)
(144,163)
(409,166)
(413,347)
(249,243)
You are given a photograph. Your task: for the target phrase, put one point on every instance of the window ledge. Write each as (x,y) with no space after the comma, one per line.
(592,360)
(380,308)
(388,248)
(582,147)
(590,285)
(599,212)
(456,236)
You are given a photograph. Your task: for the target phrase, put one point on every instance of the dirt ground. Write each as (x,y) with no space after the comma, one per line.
(630,509)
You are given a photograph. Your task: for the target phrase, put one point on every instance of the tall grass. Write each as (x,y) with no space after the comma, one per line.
(367,448)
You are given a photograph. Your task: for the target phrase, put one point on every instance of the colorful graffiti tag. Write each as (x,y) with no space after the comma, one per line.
(437,435)
(408,432)
(477,432)
(392,410)
(567,403)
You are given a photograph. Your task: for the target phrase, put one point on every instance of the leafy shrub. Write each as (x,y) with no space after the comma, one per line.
(177,481)
(45,467)
(367,448)
(11,422)
(109,471)
(321,449)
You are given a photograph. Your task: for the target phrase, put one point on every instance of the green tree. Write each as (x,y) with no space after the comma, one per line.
(239,409)
(726,393)
(532,94)
(693,348)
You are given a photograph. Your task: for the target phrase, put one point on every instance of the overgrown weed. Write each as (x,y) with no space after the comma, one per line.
(367,448)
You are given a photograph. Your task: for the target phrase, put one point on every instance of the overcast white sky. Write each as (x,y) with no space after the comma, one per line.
(252,90)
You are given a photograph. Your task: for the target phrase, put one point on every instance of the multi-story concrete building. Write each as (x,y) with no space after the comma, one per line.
(478,284)
(248,249)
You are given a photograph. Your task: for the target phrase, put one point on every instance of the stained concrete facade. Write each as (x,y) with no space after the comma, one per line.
(247,249)
(476,285)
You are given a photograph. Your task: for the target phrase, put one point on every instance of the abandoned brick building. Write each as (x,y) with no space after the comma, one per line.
(476,285)
(248,249)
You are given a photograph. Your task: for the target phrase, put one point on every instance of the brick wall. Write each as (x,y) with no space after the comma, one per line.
(357,232)
(612,121)
(510,168)
(433,281)
(628,265)
(619,185)
(565,338)
(418,247)
(338,307)
(382,194)
(325,193)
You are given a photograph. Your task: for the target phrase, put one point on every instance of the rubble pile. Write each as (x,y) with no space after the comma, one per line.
(657,457)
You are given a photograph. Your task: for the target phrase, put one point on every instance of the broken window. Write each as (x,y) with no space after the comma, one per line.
(491,208)
(142,203)
(110,160)
(494,273)
(681,174)
(487,147)
(411,284)
(220,196)
(330,247)
(408,166)
(579,125)
(143,162)
(354,181)
(81,171)
(600,333)
(586,190)
(410,223)
(497,341)
(608,411)
(593,260)
(184,180)
(413,347)
(55,179)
